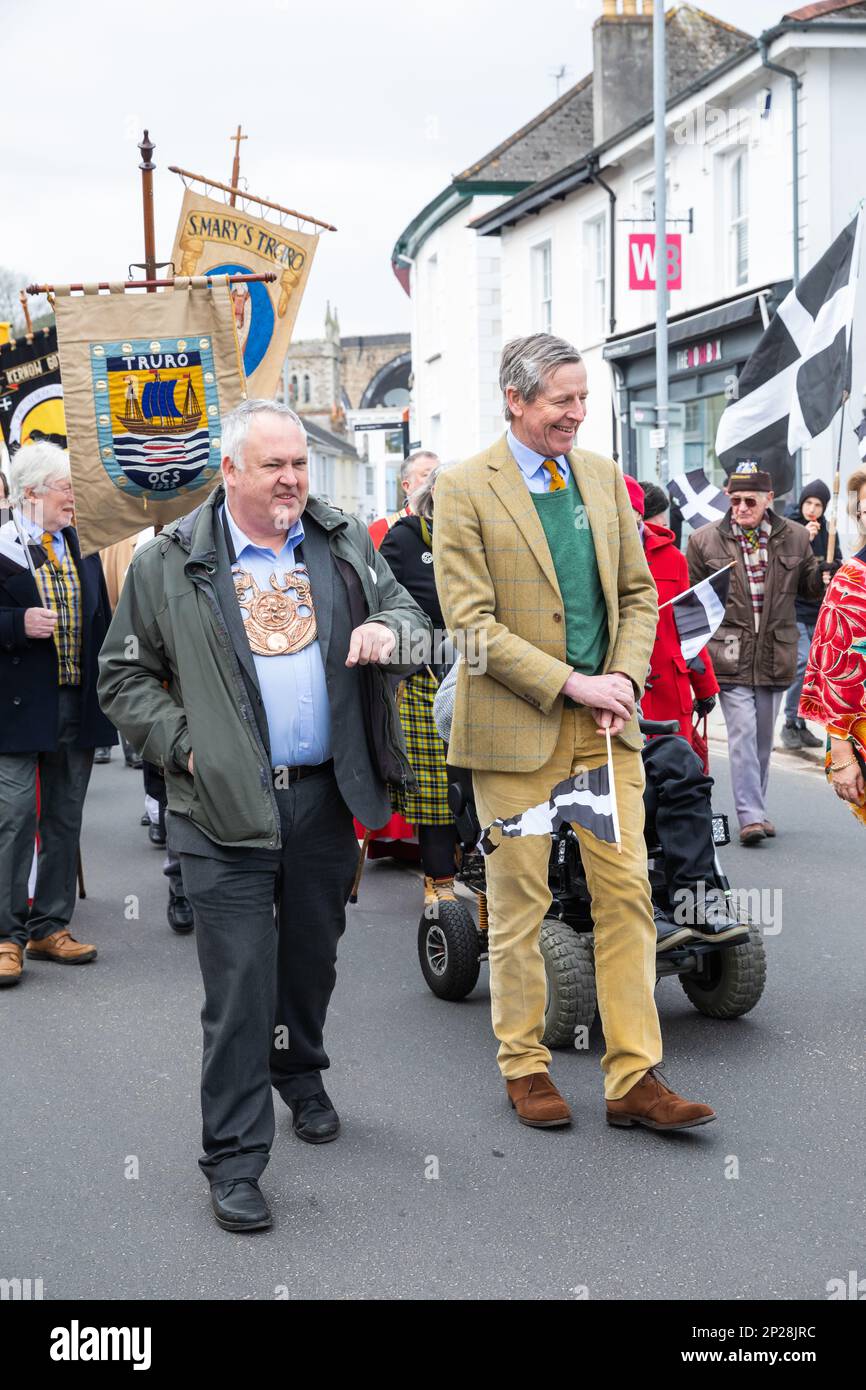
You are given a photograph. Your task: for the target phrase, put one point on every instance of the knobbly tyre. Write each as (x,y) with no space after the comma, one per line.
(721,981)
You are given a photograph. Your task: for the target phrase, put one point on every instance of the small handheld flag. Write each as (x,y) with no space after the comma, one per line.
(699,611)
(586,799)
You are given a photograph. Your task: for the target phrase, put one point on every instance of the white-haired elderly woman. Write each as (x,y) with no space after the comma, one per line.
(408,549)
(54,614)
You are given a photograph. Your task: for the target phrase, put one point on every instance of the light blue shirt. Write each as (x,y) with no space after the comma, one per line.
(294,689)
(532,466)
(36,534)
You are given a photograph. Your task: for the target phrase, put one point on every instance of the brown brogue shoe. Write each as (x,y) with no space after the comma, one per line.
(11,962)
(769,829)
(653,1104)
(61,946)
(752,834)
(537,1101)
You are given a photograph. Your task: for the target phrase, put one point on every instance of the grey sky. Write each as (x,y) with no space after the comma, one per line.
(357,113)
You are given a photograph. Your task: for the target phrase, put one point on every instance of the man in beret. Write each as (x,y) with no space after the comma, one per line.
(754,651)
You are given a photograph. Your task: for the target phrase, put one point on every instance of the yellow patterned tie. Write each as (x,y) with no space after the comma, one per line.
(557,481)
(48,547)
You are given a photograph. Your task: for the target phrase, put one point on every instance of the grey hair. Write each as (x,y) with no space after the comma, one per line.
(421,500)
(35,466)
(409,463)
(236,425)
(527,363)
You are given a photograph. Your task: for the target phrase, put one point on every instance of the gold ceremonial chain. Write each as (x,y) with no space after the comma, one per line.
(281,620)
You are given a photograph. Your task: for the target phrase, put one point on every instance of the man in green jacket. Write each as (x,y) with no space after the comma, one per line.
(246,658)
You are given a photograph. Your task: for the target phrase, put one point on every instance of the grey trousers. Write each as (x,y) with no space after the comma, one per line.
(63,779)
(267,924)
(750,715)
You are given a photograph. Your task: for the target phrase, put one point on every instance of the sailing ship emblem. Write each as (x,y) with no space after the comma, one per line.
(157,414)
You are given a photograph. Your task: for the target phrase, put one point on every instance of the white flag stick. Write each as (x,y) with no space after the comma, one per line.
(676,598)
(610,778)
(27,556)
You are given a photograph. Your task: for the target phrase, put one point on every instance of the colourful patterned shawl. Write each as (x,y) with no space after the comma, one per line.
(834,687)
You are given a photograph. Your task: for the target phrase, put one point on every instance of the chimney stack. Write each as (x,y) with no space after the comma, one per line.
(622,66)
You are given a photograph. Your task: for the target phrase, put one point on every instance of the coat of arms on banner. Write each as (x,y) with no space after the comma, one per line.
(157,413)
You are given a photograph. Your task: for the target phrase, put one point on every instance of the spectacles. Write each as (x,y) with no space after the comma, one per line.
(743,502)
(65,488)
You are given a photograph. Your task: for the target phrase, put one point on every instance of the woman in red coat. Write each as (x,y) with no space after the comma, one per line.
(672,687)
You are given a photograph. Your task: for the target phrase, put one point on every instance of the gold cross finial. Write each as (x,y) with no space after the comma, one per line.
(236,166)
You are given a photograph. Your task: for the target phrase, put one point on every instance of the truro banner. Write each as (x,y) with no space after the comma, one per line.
(147,379)
(214,239)
(31,397)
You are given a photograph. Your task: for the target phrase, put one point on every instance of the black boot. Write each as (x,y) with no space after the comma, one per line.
(180,917)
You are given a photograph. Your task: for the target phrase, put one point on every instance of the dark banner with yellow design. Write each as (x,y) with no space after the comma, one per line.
(31,396)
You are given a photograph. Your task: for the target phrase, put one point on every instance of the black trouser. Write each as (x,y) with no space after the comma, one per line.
(63,779)
(437,844)
(268,976)
(677,801)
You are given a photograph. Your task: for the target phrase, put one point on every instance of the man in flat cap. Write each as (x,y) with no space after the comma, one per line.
(754,651)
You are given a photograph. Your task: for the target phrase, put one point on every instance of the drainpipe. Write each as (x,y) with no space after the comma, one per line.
(796,84)
(596,178)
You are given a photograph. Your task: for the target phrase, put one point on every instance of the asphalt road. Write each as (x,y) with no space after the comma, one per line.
(100,1068)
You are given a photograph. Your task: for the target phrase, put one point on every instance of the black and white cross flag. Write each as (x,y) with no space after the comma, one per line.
(698,612)
(792,385)
(585,799)
(699,501)
(860,432)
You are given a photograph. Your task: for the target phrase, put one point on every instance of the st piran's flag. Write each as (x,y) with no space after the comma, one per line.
(699,612)
(584,799)
(699,501)
(792,385)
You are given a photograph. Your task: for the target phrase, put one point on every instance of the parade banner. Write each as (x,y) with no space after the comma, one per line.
(215,239)
(31,396)
(147,379)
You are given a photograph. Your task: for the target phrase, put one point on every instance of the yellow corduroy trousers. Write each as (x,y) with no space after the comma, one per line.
(624,932)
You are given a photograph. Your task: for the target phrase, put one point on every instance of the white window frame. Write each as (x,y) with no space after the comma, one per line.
(596,274)
(542,285)
(737,180)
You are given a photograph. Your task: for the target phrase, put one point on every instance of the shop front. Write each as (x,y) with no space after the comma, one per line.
(706,353)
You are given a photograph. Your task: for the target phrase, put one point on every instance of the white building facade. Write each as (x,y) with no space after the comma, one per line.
(576,245)
(729,181)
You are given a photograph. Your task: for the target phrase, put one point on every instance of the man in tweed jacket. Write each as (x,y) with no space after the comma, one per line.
(544,585)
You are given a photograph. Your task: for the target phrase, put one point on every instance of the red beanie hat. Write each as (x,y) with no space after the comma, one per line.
(635,493)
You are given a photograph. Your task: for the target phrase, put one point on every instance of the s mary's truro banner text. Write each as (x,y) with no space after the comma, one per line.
(215,239)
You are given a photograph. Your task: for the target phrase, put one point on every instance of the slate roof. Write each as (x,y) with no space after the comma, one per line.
(697,42)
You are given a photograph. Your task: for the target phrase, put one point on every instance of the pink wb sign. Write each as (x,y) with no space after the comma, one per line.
(642,261)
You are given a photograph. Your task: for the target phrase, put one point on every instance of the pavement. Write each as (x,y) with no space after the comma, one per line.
(433,1190)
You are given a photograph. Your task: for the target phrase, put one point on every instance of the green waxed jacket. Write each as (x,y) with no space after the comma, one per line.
(177,675)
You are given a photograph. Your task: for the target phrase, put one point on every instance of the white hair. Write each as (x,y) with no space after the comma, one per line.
(35,466)
(236,426)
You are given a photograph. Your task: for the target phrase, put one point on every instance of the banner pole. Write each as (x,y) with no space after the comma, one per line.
(832,518)
(236,165)
(147,167)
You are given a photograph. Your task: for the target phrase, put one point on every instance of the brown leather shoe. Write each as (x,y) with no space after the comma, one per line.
(650,1102)
(537,1101)
(751,834)
(62,946)
(11,962)
(769,829)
